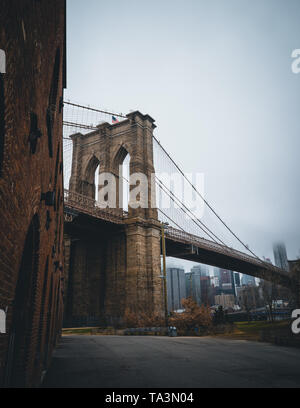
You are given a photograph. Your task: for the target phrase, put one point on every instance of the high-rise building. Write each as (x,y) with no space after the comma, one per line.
(217,273)
(225,276)
(200,269)
(176,288)
(248,280)
(280,256)
(215,281)
(206,291)
(193,286)
(237,279)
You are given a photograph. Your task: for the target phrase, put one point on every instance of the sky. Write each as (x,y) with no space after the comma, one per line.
(216,76)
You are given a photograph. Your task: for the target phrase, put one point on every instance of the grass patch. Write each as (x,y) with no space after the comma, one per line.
(79,330)
(91,331)
(253,330)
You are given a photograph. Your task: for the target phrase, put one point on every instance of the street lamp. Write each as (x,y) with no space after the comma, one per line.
(163,241)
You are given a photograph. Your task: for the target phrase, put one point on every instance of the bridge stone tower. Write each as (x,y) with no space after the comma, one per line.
(119,268)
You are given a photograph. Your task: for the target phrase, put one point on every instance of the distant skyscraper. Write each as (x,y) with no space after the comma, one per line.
(215,281)
(217,273)
(280,256)
(193,286)
(201,270)
(248,280)
(225,277)
(226,281)
(176,289)
(237,279)
(206,293)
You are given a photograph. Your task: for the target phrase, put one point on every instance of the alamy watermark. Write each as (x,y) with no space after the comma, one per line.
(296,323)
(175,191)
(296,63)
(2,62)
(3,321)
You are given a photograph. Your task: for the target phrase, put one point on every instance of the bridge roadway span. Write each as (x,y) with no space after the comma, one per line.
(180,244)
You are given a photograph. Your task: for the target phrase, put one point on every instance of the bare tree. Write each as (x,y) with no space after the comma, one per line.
(248,299)
(270,295)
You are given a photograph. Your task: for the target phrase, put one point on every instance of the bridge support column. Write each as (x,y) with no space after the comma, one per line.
(115,278)
(85,281)
(143,269)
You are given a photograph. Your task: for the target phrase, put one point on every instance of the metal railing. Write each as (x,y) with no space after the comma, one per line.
(187,238)
(87,205)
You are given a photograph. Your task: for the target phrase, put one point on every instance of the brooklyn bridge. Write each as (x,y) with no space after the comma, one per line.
(113,255)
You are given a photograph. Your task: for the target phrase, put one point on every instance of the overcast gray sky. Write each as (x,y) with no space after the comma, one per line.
(216,76)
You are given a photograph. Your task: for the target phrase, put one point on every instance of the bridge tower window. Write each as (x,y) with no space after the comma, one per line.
(97,182)
(125,182)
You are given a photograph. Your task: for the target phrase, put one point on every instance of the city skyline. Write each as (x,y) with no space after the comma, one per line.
(187,266)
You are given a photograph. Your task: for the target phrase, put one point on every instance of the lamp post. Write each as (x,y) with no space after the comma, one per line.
(163,241)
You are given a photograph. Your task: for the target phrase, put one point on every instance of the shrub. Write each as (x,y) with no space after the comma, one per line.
(134,319)
(194,316)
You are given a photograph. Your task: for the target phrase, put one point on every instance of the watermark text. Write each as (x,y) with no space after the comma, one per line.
(296,323)
(296,63)
(2,62)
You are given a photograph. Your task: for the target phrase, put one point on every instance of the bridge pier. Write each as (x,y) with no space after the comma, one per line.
(112,273)
(85,281)
(143,282)
(116,267)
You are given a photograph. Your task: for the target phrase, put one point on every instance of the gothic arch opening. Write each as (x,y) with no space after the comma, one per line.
(97,181)
(90,179)
(125,182)
(122,166)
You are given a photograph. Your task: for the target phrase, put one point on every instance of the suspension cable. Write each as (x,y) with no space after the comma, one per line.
(197,220)
(206,202)
(120,115)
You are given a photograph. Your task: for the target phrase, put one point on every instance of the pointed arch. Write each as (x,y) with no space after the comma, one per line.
(120,155)
(121,168)
(90,169)
(88,182)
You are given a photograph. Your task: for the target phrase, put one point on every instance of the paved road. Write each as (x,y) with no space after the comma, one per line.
(135,362)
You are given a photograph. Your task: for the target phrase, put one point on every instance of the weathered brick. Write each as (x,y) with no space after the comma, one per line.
(32,34)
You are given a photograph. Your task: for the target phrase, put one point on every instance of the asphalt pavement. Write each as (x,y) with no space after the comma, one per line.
(170,362)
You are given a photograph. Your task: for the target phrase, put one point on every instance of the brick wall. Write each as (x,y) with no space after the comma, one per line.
(32,34)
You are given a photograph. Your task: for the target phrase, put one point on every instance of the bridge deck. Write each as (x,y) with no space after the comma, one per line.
(211,252)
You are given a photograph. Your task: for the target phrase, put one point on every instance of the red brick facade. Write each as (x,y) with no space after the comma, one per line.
(32,34)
